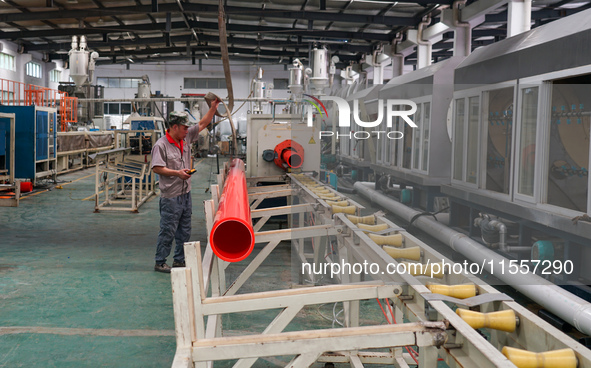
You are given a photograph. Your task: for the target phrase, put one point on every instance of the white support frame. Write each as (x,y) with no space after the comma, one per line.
(200,341)
(113,187)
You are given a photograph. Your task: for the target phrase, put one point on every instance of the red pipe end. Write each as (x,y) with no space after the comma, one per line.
(289,154)
(232,240)
(293,159)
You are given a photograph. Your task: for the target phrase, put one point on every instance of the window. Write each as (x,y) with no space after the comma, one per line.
(472,154)
(116,108)
(420,141)
(125,109)
(568,147)
(417,138)
(55,76)
(407,143)
(109,82)
(529,119)
(280,83)
(6,61)
(113,108)
(204,83)
(499,139)
(425,128)
(458,143)
(7,97)
(32,69)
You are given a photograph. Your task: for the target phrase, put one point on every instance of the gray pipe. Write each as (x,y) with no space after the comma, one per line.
(565,305)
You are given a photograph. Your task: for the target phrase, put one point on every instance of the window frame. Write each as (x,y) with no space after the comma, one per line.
(34,66)
(466,95)
(543,139)
(57,73)
(484,93)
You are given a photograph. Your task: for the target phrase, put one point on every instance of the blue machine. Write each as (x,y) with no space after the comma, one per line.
(35,141)
(6,144)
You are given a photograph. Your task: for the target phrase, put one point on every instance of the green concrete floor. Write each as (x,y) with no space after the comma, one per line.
(77,288)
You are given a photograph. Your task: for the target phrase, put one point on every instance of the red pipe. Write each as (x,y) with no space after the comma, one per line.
(232,235)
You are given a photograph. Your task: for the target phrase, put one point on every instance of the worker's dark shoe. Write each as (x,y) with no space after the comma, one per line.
(178,264)
(162,267)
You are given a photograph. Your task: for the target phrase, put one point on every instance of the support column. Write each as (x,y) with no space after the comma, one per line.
(397,65)
(463,41)
(518,17)
(424,55)
(424,47)
(378,74)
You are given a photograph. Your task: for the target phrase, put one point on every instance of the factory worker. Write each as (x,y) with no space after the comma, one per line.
(171,159)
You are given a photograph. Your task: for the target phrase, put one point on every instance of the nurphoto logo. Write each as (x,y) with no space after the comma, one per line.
(393,109)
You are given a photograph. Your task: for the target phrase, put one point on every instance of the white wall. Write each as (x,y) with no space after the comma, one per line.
(168,78)
(21,59)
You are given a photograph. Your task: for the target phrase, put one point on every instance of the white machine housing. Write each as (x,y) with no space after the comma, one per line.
(265,132)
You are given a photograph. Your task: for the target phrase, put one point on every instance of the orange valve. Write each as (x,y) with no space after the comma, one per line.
(289,154)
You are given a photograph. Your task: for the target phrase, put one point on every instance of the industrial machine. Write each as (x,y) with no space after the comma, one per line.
(143,104)
(74,149)
(82,65)
(35,146)
(521,145)
(421,157)
(279,143)
(9,186)
(506,152)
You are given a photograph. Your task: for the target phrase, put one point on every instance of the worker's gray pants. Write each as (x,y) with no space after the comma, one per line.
(175,224)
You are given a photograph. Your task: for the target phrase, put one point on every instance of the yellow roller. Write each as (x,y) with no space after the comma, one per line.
(395,240)
(378,227)
(321,191)
(563,358)
(504,320)
(429,270)
(337,203)
(413,253)
(455,291)
(332,197)
(348,209)
(368,220)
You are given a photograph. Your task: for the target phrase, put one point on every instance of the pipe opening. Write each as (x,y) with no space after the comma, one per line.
(232,240)
(294,160)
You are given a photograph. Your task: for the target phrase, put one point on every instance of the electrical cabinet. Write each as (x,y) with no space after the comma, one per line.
(35,141)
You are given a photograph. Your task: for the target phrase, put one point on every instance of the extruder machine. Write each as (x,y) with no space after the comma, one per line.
(291,141)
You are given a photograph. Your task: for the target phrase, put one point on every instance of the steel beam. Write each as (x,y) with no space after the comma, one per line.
(212,10)
(238,28)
